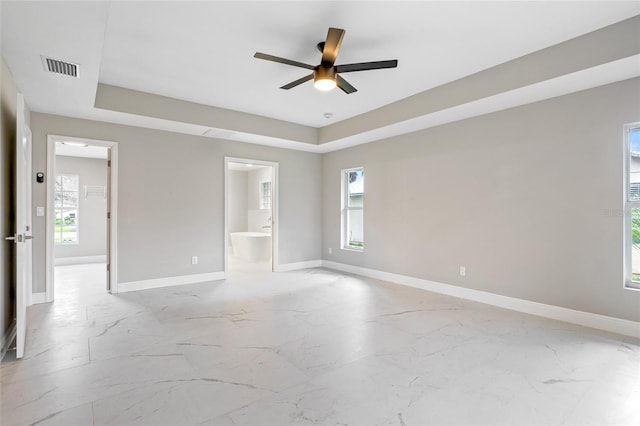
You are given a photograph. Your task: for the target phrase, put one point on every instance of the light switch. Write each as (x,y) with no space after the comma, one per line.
(39,211)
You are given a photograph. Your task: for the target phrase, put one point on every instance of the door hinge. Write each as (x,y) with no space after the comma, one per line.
(108,163)
(108,267)
(108,215)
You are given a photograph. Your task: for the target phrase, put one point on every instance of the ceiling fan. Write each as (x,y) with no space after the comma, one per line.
(326,75)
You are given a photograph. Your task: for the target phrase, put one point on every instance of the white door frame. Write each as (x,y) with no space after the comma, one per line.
(50,217)
(275,194)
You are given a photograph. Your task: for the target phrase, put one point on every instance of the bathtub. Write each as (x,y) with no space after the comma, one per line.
(251,246)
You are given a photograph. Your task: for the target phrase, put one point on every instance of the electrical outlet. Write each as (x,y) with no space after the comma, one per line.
(330,250)
(194,260)
(463,271)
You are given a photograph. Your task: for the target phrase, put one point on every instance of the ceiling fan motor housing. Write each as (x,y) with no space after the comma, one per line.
(322,73)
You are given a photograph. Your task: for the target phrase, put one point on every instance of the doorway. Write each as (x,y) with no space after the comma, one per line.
(251,209)
(81,217)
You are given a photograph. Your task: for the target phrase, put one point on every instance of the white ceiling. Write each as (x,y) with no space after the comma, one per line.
(202,52)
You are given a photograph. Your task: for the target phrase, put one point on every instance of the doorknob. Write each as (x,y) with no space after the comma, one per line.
(18,238)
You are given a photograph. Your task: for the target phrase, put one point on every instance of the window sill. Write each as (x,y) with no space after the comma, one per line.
(356,249)
(632,285)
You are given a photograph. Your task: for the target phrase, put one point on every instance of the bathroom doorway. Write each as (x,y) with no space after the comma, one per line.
(250,215)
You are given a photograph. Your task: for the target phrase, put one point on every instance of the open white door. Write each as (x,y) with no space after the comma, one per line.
(23,234)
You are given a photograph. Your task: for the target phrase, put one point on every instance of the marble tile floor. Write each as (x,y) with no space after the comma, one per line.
(311,347)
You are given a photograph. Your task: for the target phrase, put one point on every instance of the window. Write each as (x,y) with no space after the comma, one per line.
(66,208)
(353,209)
(632,211)
(265,195)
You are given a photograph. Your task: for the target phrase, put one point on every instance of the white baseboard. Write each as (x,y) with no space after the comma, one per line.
(587,319)
(37,298)
(80,260)
(298,265)
(7,338)
(169,281)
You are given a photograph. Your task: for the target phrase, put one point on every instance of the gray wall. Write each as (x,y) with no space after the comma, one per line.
(528,199)
(171,197)
(92,212)
(8,93)
(237,188)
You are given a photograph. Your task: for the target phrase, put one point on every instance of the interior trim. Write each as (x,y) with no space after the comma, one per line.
(37,298)
(169,281)
(586,319)
(286,267)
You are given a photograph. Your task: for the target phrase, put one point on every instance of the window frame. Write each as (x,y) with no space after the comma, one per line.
(628,206)
(345,209)
(57,209)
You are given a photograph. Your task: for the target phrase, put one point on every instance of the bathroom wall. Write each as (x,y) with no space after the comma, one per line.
(258,219)
(92,212)
(237,198)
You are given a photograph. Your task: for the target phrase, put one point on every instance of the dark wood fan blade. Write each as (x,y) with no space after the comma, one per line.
(332,46)
(297,82)
(346,87)
(364,66)
(282,60)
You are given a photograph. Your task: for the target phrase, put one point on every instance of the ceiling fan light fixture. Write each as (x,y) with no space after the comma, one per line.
(324,79)
(325,84)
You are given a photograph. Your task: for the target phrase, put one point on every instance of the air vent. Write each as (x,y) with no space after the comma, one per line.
(61,67)
(218,133)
